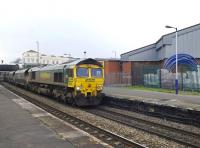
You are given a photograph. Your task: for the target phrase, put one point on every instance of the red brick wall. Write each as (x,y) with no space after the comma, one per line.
(111,66)
(111,71)
(126,67)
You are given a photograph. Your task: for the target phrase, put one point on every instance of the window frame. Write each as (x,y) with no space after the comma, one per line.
(82,68)
(58,77)
(97,76)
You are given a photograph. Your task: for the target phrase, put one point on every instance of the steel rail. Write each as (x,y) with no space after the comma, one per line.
(180,136)
(100,133)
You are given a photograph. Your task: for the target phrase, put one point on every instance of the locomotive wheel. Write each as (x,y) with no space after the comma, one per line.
(70,99)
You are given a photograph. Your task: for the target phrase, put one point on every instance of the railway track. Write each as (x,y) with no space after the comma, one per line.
(178,135)
(102,134)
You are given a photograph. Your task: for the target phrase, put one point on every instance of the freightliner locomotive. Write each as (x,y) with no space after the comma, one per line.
(79,83)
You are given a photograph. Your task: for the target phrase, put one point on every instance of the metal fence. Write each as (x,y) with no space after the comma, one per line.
(118,79)
(153,76)
(188,80)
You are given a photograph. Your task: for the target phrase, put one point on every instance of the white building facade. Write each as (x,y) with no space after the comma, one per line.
(31,58)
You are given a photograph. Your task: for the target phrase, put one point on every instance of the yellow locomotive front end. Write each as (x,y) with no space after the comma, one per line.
(87,83)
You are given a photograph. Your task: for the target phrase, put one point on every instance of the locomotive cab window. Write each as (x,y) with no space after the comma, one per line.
(82,72)
(96,72)
(69,73)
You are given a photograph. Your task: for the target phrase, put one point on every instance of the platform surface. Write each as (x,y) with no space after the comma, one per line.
(18,129)
(23,124)
(183,101)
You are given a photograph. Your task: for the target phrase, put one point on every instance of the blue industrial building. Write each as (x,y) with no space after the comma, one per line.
(148,63)
(188,43)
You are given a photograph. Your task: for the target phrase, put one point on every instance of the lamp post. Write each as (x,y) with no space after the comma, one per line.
(115,53)
(176,81)
(38,48)
(84,54)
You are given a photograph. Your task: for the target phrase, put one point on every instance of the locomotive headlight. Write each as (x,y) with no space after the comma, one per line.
(99,87)
(78,88)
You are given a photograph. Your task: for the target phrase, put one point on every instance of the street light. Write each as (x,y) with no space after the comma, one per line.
(115,53)
(38,48)
(84,54)
(176,81)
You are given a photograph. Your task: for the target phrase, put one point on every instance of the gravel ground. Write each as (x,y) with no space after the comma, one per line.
(120,129)
(189,128)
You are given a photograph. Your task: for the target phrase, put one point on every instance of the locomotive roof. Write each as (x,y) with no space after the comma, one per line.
(34,69)
(51,67)
(68,65)
(90,61)
(11,72)
(22,71)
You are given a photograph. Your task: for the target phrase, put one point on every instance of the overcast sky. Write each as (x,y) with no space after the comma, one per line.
(100,27)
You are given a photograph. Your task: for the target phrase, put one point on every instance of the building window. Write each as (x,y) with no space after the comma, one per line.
(47,61)
(56,62)
(53,62)
(28,60)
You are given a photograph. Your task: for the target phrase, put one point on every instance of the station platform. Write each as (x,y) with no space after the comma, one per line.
(180,101)
(22,124)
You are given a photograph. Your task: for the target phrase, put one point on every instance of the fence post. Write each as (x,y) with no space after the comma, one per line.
(160,78)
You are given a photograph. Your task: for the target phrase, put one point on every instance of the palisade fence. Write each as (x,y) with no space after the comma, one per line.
(153,76)
(118,79)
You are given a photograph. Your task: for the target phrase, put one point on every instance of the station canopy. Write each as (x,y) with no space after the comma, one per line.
(186,61)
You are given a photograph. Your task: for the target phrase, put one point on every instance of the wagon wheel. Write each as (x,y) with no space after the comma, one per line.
(38,91)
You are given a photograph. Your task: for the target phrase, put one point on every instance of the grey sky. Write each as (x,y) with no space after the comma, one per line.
(97,26)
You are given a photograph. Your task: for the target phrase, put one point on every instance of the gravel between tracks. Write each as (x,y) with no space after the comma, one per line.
(189,128)
(120,129)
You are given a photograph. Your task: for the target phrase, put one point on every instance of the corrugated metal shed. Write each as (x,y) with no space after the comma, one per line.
(188,43)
